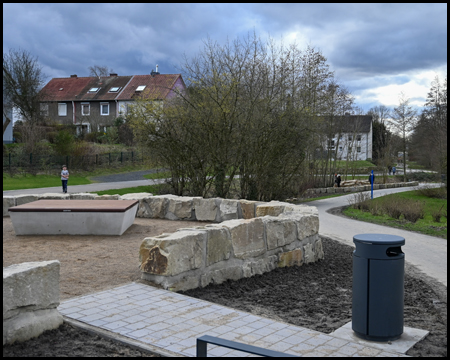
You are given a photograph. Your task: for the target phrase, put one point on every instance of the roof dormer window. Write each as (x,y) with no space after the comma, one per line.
(114,89)
(141,87)
(93,90)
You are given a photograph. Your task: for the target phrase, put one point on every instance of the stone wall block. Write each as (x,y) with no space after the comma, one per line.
(143,210)
(83,196)
(274,229)
(331,190)
(290,258)
(218,245)
(248,208)
(156,206)
(30,299)
(273,208)
(310,256)
(221,275)
(179,208)
(205,209)
(25,199)
(318,250)
(228,210)
(53,196)
(172,254)
(8,201)
(107,197)
(247,237)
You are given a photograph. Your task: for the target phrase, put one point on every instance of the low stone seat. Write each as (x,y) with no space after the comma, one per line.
(74,217)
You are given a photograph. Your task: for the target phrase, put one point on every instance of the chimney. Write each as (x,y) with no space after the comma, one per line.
(75,75)
(157,69)
(113,74)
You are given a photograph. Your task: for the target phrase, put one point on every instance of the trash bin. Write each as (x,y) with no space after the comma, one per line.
(378,286)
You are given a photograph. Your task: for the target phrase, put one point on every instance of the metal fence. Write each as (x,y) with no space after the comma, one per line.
(81,162)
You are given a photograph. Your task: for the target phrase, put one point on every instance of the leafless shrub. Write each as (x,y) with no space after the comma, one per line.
(433,192)
(393,207)
(438,214)
(359,200)
(414,210)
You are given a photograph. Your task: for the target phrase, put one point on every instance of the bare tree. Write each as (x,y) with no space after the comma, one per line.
(22,82)
(404,120)
(99,71)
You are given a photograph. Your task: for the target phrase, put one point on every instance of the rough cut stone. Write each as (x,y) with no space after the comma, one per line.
(156,207)
(83,196)
(228,210)
(247,237)
(107,197)
(30,299)
(218,245)
(307,225)
(221,275)
(172,254)
(179,208)
(53,196)
(290,258)
(331,190)
(25,199)
(309,253)
(318,250)
(205,209)
(143,208)
(248,208)
(274,229)
(8,201)
(274,208)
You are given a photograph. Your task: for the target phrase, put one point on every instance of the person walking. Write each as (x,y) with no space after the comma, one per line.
(335,180)
(394,170)
(64,178)
(338,179)
(390,169)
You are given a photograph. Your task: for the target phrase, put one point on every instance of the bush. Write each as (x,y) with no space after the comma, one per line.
(421,176)
(437,193)
(64,142)
(393,208)
(438,214)
(414,211)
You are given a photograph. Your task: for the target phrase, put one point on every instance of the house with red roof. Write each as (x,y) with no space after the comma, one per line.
(93,103)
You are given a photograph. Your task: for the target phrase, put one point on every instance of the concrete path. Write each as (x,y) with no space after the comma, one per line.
(427,253)
(86,188)
(169,323)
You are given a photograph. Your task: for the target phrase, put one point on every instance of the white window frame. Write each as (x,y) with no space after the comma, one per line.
(60,112)
(358,149)
(101,108)
(89,109)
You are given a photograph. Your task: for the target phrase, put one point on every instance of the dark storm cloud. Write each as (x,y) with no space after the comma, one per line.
(368,46)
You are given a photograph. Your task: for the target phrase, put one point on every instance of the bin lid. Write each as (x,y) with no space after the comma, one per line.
(379,239)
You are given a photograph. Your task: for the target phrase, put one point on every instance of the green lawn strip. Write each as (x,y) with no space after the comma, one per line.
(424,226)
(321,197)
(154,189)
(77,177)
(40,181)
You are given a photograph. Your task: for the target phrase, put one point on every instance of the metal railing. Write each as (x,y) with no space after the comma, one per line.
(204,340)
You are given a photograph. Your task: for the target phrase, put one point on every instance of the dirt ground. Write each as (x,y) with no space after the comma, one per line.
(316,296)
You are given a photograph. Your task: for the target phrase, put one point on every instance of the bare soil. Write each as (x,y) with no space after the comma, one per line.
(316,296)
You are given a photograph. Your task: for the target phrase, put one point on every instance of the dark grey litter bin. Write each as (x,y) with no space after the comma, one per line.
(378,283)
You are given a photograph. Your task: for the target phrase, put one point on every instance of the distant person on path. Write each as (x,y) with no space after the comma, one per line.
(335,180)
(393,170)
(338,179)
(64,178)
(390,169)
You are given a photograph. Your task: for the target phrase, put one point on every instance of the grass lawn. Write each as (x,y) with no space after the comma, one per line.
(77,177)
(154,189)
(424,226)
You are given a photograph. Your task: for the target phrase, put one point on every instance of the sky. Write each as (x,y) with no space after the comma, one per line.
(377,51)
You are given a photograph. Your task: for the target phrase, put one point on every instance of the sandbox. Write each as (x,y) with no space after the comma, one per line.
(73,217)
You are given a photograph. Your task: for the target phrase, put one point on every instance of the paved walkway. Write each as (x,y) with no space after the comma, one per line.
(170,322)
(427,253)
